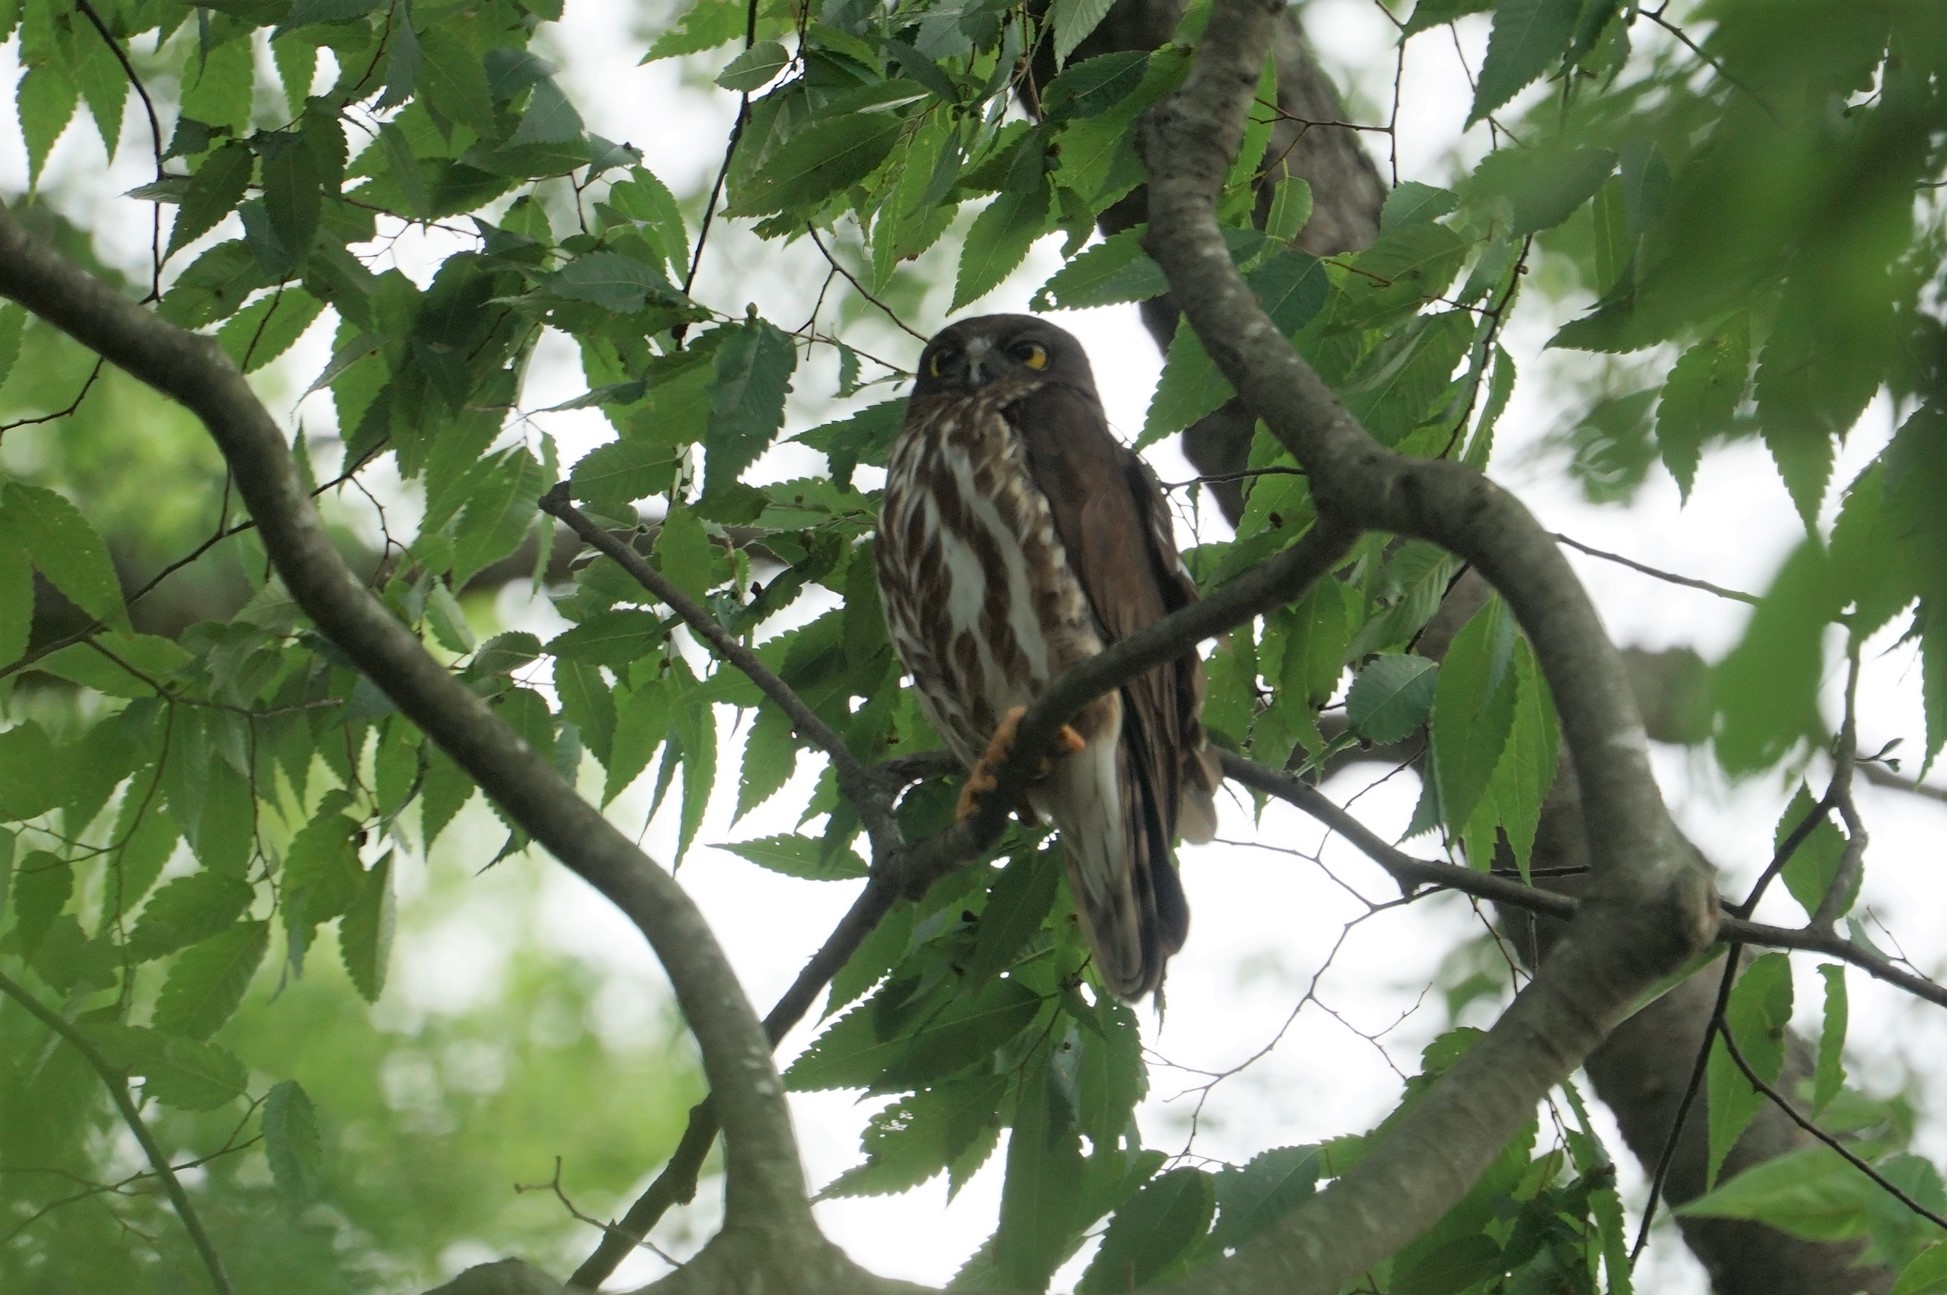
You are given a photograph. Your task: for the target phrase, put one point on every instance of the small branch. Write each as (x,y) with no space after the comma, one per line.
(1670,577)
(118,1093)
(860,288)
(855,781)
(1797,1117)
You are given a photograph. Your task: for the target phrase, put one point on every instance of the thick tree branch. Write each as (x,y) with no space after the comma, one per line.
(1649,909)
(117,1087)
(765,1180)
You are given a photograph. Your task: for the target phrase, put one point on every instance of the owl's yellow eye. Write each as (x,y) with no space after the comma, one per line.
(1032,354)
(937,365)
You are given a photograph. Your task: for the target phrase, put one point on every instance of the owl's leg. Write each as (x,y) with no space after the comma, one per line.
(982,780)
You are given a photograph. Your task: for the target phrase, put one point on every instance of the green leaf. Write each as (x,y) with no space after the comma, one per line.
(1431,13)
(1700,397)
(1757,1015)
(1766,690)
(684,552)
(1020,901)
(453,83)
(64,547)
(803,170)
(615,282)
(1391,697)
(44,101)
(187,910)
(214,192)
(1926,1275)
(498,512)
(177,1072)
(1093,85)
(916,1137)
(1396,387)
(549,118)
(1527,766)
(999,239)
(268,327)
(365,932)
(1253,1197)
(1829,1075)
(695,728)
(1038,1216)
(1811,1193)
(1073,20)
(43,884)
(770,756)
(214,286)
(293,1144)
(1110,272)
(219,92)
(16,603)
(1808,874)
(1110,1077)
(617,474)
(321,877)
(1527,38)
(616,638)
(750,377)
(755,68)
(1169,1215)
(292,196)
(641,726)
(1473,711)
(959,1036)
(799,856)
(207,982)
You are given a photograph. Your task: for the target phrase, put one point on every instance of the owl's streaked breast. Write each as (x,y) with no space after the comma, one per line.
(980,599)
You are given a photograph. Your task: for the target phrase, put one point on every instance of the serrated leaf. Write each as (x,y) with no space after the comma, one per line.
(206,982)
(755,68)
(683,552)
(959,1036)
(1765,691)
(916,1137)
(292,199)
(63,547)
(1829,1074)
(641,727)
(802,171)
(1252,1197)
(365,932)
(268,327)
(999,239)
(612,281)
(770,756)
(1397,386)
(1169,1215)
(1473,711)
(1926,1274)
(452,82)
(1811,1193)
(497,513)
(1700,397)
(305,12)
(293,1144)
(1020,901)
(1073,21)
(750,377)
(1111,272)
(215,285)
(1391,697)
(186,910)
(1431,13)
(1527,766)
(1757,1014)
(44,101)
(798,856)
(1527,38)
(1809,872)
(1038,1214)
(177,1072)
(214,192)
(621,472)
(549,118)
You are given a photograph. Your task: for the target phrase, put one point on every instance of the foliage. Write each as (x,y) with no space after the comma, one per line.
(197,815)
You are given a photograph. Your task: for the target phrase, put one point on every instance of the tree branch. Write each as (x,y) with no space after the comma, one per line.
(118,1093)
(765,1180)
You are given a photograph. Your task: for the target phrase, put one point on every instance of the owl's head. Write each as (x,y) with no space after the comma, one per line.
(974,352)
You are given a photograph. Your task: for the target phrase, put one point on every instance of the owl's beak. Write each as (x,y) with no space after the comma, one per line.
(979,351)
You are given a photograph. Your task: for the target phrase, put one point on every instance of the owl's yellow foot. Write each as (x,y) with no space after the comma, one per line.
(981,780)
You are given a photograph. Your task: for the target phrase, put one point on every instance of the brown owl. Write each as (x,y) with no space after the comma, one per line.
(1017,538)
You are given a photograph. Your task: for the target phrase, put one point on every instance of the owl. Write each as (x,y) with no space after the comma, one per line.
(1018,537)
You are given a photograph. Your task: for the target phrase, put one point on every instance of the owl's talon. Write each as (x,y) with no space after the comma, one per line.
(982,779)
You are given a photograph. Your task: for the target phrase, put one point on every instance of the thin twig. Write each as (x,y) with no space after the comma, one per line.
(1690,582)
(112,1079)
(860,288)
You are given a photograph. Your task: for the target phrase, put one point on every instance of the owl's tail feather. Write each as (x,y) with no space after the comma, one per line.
(1133,912)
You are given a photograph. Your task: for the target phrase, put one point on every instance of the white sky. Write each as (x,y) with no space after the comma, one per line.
(1263,921)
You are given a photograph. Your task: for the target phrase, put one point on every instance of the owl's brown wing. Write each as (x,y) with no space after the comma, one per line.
(1114,525)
